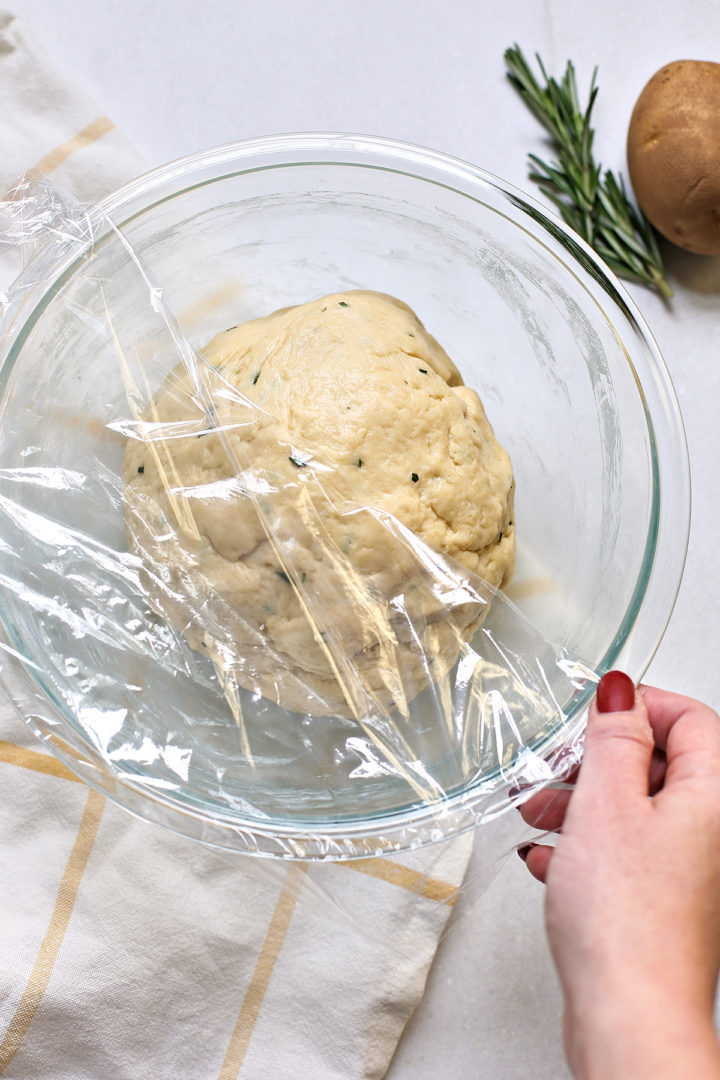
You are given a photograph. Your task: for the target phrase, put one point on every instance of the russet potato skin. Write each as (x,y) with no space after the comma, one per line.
(673,152)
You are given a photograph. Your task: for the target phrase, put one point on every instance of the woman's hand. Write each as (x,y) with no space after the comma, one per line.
(633,887)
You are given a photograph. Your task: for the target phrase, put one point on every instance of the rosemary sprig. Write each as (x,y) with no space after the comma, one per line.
(592,201)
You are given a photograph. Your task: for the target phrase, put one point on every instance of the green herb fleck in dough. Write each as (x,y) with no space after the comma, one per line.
(211,417)
(415,478)
(297,463)
(359,463)
(423,370)
(141,469)
(343,303)
(284,576)
(256,376)
(410,333)
(303,576)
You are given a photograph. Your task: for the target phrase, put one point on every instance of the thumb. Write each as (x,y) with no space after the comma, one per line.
(618,742)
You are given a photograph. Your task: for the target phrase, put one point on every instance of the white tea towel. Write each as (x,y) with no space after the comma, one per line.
(127,952)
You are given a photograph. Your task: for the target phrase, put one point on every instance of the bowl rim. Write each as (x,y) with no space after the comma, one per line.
(411,825)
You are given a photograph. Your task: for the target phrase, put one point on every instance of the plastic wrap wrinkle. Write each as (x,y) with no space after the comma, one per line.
(146,680)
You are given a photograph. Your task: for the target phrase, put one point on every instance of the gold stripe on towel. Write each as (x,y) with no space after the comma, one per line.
(412,880)
(393,873)
(86,137)
(55,933)
(32,759)
(250,1009)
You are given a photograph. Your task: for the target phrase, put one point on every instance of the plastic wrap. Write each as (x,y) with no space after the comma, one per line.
(123,656)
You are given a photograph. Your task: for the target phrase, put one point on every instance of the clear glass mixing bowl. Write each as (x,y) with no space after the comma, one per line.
(568,371)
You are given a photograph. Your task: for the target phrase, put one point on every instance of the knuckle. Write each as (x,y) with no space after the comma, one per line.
(619,728)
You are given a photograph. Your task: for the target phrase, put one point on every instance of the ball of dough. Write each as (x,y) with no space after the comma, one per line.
(274,494)
(674,154)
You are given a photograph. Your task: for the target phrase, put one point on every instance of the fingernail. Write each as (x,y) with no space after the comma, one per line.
(524,851)
(615,692)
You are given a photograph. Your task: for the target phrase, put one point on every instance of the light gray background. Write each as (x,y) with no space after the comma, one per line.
(183,75)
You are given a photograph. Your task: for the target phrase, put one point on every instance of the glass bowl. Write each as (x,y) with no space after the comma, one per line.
(570,376)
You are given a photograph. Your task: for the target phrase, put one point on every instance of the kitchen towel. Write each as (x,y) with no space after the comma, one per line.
(128,952)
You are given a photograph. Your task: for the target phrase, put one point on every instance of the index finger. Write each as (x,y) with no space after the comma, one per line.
(683,726)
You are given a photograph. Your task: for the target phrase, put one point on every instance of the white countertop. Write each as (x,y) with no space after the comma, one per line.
(180,76)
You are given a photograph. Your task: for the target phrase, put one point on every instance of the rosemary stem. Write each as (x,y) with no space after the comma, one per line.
(590,199)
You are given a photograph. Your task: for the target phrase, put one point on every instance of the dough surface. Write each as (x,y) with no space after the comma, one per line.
(306,419)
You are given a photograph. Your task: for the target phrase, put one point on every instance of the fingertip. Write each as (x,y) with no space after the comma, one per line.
(667,710)
(537,859)
(615,693)
(546,810)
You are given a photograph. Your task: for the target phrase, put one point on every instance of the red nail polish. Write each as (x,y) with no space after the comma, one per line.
(615,692)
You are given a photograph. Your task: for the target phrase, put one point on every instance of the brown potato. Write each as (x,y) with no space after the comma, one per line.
(673,151)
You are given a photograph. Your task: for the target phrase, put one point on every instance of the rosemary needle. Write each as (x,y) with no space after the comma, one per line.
(592,201)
